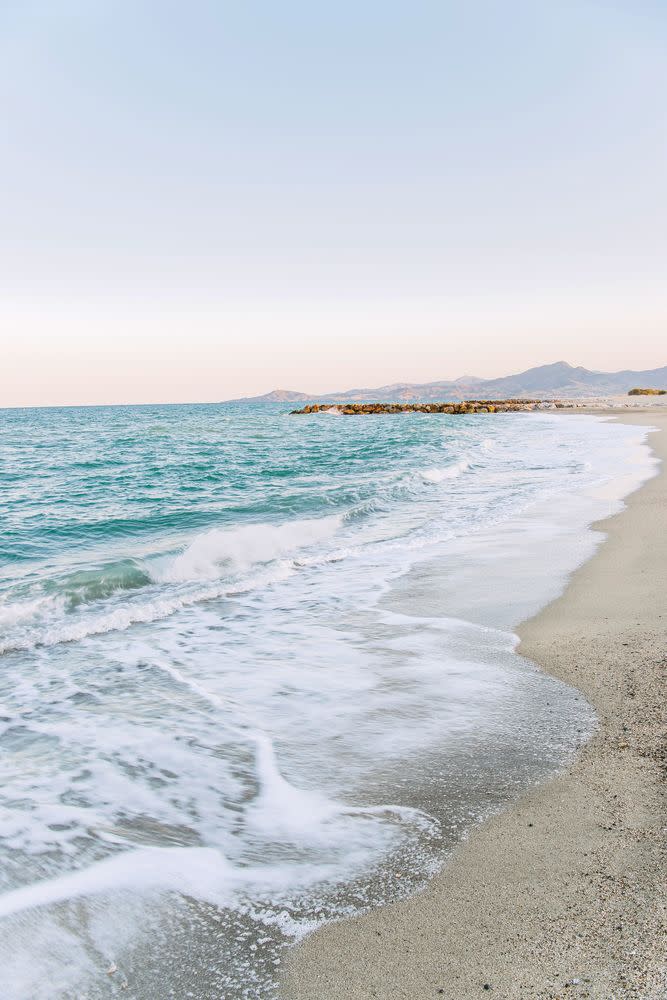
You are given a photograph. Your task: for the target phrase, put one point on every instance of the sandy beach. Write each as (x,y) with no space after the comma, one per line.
(564,894)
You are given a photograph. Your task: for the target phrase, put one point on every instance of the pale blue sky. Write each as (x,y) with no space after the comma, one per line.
(204,199)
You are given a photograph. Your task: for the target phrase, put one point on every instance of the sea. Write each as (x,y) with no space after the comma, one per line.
(258,671)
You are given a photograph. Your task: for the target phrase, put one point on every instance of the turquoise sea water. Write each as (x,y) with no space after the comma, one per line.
(255,666)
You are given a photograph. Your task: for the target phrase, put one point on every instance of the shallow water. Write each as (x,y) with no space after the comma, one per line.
(259,671)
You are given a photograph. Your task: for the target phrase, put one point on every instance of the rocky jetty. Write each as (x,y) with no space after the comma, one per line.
(647,392)
(467,406)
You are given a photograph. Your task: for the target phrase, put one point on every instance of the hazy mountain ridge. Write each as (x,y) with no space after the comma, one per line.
(545,381)
(276,396)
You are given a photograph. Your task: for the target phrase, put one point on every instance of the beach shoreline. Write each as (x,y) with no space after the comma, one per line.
(562,894)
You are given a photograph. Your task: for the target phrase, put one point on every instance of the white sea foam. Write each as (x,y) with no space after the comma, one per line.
(19,612)
(280,809)
(288,811)
(201,871)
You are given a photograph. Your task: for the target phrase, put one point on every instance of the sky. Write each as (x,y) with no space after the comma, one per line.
(205,200)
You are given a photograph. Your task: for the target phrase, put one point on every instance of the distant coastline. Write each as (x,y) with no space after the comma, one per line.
(546,382)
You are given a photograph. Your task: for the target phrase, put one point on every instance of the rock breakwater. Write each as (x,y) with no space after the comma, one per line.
(466,406)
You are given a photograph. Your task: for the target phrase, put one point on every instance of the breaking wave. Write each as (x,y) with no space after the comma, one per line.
(452,471)
(239,548)
(215,564)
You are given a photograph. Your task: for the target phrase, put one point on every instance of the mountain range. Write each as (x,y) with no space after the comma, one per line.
(546,381)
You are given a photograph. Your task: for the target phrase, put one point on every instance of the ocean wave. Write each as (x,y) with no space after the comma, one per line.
(215,564)
(90,623)
(452,471)
(87,586)
(239,548)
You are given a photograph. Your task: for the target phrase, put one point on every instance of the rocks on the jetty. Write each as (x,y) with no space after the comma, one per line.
(464,407)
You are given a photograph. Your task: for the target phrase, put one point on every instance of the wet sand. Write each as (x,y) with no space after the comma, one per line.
(565,894)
